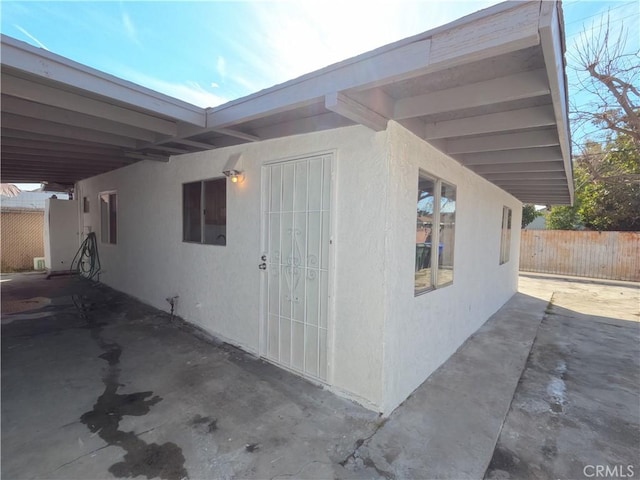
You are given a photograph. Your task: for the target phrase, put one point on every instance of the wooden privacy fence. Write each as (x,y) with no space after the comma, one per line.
(21,236)
(610,255)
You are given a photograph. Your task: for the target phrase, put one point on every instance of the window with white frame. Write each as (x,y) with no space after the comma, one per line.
(108,217)
(505,239)
(435,233)
(204,212)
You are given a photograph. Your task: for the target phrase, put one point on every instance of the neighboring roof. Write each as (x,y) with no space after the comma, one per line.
(489,90)
(29,200)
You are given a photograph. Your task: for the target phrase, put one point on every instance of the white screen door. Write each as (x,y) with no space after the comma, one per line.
(296,239)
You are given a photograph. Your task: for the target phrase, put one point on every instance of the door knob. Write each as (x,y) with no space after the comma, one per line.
(262,266)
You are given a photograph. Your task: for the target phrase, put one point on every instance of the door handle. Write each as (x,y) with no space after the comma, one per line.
(262,266)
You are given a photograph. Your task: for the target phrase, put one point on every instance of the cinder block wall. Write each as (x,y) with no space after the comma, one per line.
(21,238)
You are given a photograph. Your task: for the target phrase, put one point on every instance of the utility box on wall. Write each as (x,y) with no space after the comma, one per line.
(60,233)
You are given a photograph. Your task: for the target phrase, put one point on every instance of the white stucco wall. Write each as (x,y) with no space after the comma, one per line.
(421,332)
(383,341)
(219,287)
(60,233)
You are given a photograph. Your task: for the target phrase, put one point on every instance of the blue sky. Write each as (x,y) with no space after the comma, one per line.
(210,52)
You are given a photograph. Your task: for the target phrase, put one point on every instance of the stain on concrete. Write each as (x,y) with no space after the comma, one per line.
(25,305)
(164,461)
(391,454)
(505,464)
(371,464)
(211,425)
(550,450)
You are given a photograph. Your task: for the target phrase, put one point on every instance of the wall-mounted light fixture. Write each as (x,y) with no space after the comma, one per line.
(232,170)
(236,176)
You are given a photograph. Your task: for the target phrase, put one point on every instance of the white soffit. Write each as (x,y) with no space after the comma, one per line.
(489,90)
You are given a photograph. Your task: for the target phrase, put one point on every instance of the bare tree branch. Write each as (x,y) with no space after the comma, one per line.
(610,79)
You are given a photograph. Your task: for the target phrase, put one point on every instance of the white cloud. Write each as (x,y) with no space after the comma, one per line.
(221,67)
(38,42)
(130,28)
(289,39)
(188,91)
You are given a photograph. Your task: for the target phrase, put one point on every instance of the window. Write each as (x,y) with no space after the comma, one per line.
(505,240)
(436,219)
(204,212)
(85,204)
(109,217)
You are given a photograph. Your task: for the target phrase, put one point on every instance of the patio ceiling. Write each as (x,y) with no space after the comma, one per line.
(488,90)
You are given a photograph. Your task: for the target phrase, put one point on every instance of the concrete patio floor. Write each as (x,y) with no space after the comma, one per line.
(97,385)
(576,412)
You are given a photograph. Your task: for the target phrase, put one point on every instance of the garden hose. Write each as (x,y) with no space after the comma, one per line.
(86,262)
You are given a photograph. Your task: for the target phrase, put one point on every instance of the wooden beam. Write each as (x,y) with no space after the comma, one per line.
(143,156)
(390,63)
(50,156)
(56,170)
(33,125)
(492,123)
(538,189)
(51,67)
(43,177)
(186,131)
(236,134)
(503,157)
(46,95)
(38,169)
(547,137)
(514,27)
(172,150)
(354,111)
(40,137)
(58,147)
(375,99)
(526,182)
(495,31)
(533,176)
(518,167)
(498,90)
(543,191)
(544,200)
(193,143)
(551,41)
(49,160)
(74,119)
(323,121)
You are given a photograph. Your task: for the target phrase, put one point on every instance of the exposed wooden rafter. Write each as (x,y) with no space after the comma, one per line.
(354,111)
(488,90)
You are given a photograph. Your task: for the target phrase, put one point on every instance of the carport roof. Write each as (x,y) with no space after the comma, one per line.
(489,90)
